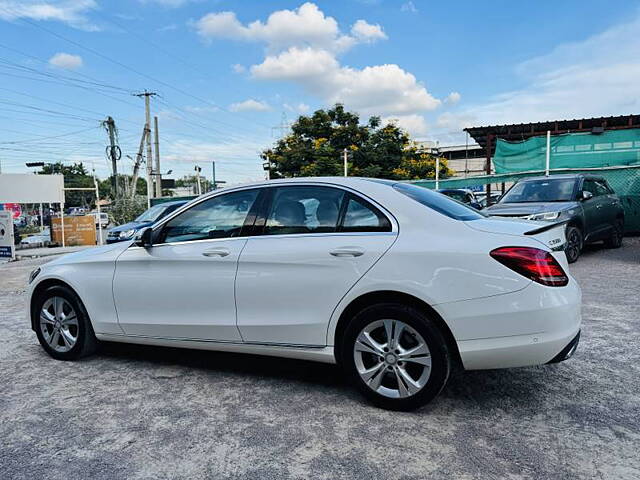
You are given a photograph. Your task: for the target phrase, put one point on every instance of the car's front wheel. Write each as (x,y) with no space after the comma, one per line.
(62,324)
(396,356)
(574,245)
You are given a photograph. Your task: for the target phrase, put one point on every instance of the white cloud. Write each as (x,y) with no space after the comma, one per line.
(168,3)
(415,124)
(367,32)
(250,105)
(594,77)
(299,108)
(452,98)
(66,61)
(237,68)
(386,89)
(409,7)
(303,46)
(303,27)
(71,12)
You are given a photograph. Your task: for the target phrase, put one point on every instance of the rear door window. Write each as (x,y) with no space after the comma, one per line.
(311,209)
(360,216)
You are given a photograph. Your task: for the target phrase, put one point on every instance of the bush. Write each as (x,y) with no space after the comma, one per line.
(125,210)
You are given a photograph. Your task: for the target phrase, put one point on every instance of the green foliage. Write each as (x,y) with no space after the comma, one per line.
(191,181)
(126,209)
(316,144)
(75,176)
(106,187)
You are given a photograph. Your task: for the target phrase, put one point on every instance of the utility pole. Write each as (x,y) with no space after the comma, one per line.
(113,152)
(147,114)
(136,165)
(157,147)
(198,170)
(345,155)
(213,171)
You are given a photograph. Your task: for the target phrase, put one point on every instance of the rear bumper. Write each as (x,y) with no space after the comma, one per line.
(568,351)
(533,326)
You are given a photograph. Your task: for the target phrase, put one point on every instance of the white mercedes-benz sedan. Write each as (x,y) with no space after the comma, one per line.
(395,283)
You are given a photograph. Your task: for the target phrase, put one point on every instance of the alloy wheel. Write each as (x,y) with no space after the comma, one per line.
(59,324)
(392,358)
(574,245)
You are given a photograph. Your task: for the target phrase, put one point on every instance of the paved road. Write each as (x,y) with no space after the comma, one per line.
(143,413)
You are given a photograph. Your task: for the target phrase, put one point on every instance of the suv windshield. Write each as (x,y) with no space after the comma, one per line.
(440,203)
(153,214)
(543,190)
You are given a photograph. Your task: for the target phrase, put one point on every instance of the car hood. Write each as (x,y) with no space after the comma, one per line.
(129,226)
(94,254)
(522,209)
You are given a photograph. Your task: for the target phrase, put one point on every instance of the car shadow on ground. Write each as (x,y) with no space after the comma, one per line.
(517,386)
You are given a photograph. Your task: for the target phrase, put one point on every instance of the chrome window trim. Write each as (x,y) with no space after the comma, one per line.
(392,220)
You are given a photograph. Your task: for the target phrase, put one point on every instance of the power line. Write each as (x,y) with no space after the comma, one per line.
(131,69)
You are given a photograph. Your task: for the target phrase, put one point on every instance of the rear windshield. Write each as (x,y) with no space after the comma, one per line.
(438,202)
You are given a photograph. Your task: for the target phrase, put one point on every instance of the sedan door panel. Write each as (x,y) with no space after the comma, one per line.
(288,285)
(181,290)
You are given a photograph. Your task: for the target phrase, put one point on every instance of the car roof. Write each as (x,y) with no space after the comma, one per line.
(170,204)
(566,176)
(464,190)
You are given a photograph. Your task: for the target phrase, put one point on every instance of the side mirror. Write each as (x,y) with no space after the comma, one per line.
(144,238)
(585,195)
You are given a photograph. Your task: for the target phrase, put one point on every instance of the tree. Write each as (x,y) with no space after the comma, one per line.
(316,144)
(75,176)
(106,187)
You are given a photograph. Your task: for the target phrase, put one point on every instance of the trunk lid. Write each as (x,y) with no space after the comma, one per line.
(551,235)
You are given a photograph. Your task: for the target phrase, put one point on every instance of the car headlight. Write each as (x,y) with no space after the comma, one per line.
(128,233)
(544,216)
(34,274)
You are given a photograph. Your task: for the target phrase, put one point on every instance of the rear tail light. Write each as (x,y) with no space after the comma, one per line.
(535,264)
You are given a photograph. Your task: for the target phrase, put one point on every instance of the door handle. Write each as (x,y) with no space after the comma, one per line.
(599,205)
(216,252)
(347,252)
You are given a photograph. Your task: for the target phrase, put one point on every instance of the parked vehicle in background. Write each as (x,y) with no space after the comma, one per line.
(463,195)
(102,219)
(77,211)
(493,198)
(586,203)
(149,217)
(39,239)
(394,282)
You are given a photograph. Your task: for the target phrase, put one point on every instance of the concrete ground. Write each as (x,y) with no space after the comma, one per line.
(151,413)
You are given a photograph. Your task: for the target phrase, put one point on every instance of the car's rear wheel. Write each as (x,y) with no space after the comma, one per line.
(396,356)
(62,324)
(574,243)
(615,239)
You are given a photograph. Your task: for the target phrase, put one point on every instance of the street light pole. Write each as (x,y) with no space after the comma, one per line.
(344,159)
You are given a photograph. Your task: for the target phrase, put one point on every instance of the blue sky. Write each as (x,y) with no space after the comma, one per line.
(228,71)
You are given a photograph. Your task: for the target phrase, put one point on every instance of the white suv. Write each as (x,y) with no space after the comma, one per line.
(394,282)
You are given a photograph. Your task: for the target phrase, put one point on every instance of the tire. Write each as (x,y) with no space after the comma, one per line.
(574,245)
(615,240)
(65,314)
(387,386)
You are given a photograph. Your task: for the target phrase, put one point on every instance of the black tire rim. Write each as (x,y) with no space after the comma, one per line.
(573,245)
(617,233)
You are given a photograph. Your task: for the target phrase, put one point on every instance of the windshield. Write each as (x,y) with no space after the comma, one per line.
(153,214)
(440,203)
(543,190)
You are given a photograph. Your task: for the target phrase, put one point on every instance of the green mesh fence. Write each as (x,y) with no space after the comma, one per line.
(586,150)
(624,180)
